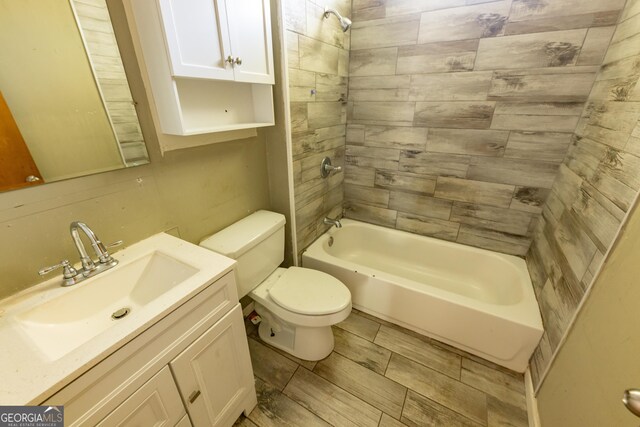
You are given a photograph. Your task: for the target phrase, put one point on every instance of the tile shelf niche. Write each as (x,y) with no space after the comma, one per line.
(209,66)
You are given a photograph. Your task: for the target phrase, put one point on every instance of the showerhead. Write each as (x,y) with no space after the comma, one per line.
(345,22)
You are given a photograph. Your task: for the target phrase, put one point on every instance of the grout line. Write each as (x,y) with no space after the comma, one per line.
(294,374)
(404,402)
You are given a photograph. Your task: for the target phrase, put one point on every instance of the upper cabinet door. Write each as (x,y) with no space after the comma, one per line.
(197,38)
(250,34)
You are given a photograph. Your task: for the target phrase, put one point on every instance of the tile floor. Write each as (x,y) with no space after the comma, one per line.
(380,374)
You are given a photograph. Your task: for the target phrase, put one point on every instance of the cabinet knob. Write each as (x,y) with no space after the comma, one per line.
(229,60)
(194,396)
(238,61)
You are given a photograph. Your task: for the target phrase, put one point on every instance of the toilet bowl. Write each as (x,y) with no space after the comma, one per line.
(297,305)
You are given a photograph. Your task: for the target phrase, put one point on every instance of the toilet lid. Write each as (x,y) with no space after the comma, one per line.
(311,292)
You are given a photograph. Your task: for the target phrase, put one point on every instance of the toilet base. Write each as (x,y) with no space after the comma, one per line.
(306,343)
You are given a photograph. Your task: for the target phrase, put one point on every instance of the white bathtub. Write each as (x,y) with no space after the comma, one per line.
(476,300)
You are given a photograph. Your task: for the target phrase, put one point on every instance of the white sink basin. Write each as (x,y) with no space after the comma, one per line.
(66,322)
(54,333)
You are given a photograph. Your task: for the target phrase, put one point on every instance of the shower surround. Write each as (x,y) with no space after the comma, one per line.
(510,125)
(461,112)
(596,186)
(318,65)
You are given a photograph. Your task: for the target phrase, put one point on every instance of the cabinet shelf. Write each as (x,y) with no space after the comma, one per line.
(216,105)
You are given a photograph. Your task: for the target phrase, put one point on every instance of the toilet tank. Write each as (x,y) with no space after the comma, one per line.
(256,242)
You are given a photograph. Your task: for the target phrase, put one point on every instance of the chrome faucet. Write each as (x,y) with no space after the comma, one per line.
(98,247)
(331,221)
(89,268)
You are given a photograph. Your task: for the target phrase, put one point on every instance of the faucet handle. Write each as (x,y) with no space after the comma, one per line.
(105,257)
(114,244)
(67,269)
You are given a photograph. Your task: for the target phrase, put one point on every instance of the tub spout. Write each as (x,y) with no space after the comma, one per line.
(331,221)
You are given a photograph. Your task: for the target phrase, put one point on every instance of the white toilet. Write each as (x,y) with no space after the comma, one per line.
(298,306)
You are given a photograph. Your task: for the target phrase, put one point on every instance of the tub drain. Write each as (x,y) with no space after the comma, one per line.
(119,314)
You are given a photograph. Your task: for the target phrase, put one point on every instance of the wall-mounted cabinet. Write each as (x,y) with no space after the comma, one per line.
(209,63)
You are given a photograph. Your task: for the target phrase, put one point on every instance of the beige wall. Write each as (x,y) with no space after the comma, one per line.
(595,187)
(599,359)
(193,192)
(50,89)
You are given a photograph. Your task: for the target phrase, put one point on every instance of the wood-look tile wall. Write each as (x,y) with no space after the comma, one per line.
(318,62)
(596,186)
(104,55)
(461,112)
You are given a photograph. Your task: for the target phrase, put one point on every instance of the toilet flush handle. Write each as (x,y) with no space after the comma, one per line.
(275,325)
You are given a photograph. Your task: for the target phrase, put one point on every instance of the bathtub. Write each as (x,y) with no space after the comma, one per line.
(473,299)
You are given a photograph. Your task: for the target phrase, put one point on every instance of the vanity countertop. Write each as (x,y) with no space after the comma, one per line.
(30,375)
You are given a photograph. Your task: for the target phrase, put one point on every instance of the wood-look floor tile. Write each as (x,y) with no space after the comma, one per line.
(275,410)
(419,351)
(330,402)
(436,343)
(508,387)
(270,366)
(442,389)
(375,389)
(375,319)
(243,421)
(361,351)
(389,421)
(501,414)
(360,326)
(420,411)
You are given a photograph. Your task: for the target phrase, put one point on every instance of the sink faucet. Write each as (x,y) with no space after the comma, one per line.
(90,268)
(98,247)
(331,221)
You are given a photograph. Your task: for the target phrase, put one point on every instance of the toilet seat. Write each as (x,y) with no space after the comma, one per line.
(262,296)
(310,292)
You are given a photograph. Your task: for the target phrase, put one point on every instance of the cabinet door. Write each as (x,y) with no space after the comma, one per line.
(156,403)
(197,38)
(250,35)
(214,374)
(184,422)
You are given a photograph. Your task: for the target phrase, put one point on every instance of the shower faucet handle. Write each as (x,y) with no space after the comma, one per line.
(326,168)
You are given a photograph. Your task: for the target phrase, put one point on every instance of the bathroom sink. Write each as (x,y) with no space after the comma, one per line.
(56,333)
(66,322)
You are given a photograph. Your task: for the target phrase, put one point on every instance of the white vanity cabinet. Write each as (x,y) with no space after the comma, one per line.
(191,368)
(211,373)
(156,403)
(208,64)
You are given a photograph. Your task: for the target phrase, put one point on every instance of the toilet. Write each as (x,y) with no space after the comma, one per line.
(297,305)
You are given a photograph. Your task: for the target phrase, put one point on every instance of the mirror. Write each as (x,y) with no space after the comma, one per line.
(65,105)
